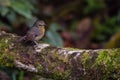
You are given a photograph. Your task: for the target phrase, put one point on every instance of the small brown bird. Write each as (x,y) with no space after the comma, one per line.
(35,33)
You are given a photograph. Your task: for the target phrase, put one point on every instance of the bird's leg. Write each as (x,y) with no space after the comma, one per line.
(35,42)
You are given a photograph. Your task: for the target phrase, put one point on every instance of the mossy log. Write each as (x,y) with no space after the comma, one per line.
(59,63)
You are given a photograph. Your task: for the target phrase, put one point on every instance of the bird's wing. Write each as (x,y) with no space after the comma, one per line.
(32,33)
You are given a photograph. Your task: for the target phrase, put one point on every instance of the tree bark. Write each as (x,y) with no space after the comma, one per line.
(59,63)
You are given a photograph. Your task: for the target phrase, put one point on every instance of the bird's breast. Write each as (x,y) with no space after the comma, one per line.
(41,33)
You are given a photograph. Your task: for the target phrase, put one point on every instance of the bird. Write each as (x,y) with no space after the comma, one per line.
(35,33)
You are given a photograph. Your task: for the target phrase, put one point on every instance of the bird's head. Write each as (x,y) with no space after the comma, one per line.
(40,24)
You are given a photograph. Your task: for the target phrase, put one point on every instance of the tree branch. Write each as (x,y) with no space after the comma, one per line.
(59,63)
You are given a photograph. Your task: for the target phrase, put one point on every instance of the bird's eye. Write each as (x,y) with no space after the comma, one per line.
(36,35)
(39,24)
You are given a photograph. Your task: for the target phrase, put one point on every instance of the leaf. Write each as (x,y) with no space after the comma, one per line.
(22,7)
(4,10)
(54,37)
(12,17)
(55,27)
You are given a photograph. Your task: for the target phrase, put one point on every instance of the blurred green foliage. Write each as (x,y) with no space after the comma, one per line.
(22,7)
(11,9)
(104,31)
(53,37)
(15,12)
(94,5)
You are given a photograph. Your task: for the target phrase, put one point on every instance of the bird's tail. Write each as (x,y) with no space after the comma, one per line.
(21,39)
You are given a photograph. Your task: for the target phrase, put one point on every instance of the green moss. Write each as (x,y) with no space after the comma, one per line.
(86,60)
(7,60)
(103,58)
(6,56)
(67,74)
(109,61)
(62,58)
(58,75)
(3,44)
(39,67)
(71,49)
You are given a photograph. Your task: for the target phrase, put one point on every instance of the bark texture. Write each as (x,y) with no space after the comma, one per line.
(59,63)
